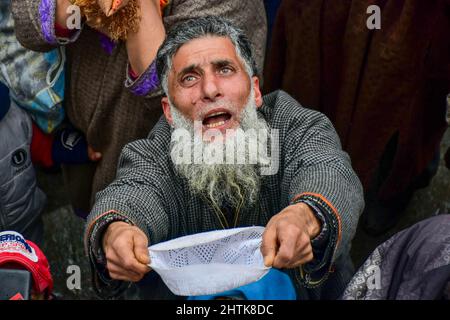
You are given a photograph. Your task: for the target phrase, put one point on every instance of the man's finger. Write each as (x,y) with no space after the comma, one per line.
(93,155)
(303,256)
(124,277)
(141,249)
(127,259)
(269,245)
(304,259)
(287,251)
(119,270)
(119,273)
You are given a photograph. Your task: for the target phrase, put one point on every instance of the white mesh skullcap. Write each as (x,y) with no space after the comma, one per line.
(210,262)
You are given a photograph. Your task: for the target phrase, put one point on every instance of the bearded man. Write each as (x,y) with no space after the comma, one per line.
(292,177)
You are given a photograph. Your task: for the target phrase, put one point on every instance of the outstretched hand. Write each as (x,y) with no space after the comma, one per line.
(125,247)
(286,241)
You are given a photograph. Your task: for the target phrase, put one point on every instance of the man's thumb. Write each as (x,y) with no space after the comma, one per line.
(269,256)
(141,250)
(268,247)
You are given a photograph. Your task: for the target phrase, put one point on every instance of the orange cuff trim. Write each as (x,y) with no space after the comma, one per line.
(335,212)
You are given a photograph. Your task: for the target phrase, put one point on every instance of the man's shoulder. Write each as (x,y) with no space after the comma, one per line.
(155,147)
(281,110)
(278,96)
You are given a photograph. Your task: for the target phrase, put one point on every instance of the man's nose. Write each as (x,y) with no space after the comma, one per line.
(211,88)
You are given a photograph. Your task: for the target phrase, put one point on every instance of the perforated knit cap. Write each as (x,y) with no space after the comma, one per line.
(210,262)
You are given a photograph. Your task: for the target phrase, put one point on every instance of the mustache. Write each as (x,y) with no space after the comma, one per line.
(230,107)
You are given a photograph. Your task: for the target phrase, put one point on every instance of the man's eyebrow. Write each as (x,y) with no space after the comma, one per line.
(222,63)
(188,69)
(196,67)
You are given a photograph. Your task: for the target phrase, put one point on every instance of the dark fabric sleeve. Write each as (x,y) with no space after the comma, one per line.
(319,172)
(321,239)
(276,54)
(414,264)
(137,197)
(34,22)
(146,84)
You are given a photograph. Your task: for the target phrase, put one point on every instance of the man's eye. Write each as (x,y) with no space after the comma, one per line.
(188,79)
(226,70)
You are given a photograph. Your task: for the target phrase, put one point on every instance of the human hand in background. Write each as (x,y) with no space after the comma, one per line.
(70,147)
(109,7)
(143,44)
(64,146)
(93,155)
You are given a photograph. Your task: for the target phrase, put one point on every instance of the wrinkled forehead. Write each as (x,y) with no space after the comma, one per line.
(205,51)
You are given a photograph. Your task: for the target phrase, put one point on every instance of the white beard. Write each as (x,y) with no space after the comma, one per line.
(223,182)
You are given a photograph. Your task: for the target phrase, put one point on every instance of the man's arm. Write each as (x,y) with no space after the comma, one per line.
(143,44)
(142,47)
(138,198)
(318,173)
(35,22)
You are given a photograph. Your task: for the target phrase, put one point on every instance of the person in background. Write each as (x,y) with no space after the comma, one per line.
(23,144)
(414,264)
(384,89)
(271,10)
(32,129)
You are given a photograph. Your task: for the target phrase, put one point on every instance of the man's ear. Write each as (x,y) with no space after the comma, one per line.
(166,109)
(257,90)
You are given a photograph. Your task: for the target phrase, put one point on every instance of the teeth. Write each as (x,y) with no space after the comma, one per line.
(215,124)
(216,114)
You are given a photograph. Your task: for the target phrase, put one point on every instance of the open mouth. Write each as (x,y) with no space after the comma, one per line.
(216,119)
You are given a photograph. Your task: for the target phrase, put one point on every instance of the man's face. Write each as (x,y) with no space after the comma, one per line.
(208,83)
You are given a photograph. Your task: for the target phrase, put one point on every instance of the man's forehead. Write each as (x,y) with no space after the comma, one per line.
(204,51)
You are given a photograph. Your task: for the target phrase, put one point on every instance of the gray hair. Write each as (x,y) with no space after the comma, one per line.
(196,28)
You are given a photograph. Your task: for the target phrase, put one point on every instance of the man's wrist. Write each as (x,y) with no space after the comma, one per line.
(113,226)
(313,224)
